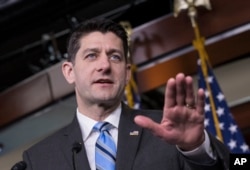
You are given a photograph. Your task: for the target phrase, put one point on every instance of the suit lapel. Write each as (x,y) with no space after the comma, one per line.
(73,135)
(128,139)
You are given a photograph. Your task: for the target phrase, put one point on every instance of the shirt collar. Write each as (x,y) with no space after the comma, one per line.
(87,124)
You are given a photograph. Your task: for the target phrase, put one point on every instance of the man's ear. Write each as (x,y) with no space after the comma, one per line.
(67,69)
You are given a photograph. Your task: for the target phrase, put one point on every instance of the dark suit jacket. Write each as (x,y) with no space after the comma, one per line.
(135,152)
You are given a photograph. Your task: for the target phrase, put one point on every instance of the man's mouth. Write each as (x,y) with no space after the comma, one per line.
(104,81)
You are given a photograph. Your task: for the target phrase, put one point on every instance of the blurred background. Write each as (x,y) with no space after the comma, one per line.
(35,99)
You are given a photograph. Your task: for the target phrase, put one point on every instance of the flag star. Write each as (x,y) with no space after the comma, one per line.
(244,147)
(207,93)
(136,106)
(207,107)
(210,79)
(199,62)
(206,122)
(221,126)
(220,97)
(232,144)
(220,111)
(233,128)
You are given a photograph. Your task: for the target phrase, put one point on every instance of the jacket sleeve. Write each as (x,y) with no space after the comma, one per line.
(221,162)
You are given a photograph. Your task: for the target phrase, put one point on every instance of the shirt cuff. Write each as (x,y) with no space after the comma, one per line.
(202,154)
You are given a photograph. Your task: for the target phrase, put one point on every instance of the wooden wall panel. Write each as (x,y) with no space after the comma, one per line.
(24,98)
(242,115)
(219,52)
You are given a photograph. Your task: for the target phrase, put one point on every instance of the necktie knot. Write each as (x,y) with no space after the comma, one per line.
(103,126)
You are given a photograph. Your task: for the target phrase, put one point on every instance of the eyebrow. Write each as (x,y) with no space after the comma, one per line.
(97,50)
(110,51)
(91,50)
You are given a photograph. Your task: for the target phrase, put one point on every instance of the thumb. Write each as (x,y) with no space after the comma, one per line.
(145,122)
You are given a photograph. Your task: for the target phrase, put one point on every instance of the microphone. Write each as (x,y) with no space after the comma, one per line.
(19,166)
(77,147)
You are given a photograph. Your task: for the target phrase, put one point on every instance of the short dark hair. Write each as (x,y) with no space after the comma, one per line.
(102,25)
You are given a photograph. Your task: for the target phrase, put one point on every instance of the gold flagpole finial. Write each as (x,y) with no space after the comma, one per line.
(190,5)
(128,28)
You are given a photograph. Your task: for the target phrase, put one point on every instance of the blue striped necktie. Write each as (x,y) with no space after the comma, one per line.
(105,149)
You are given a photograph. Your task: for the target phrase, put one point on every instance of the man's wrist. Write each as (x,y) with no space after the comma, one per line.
(203,153)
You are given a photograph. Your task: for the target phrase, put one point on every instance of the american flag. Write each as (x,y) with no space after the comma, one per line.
(218,119)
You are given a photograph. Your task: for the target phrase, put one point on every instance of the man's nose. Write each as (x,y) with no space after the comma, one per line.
(104,63)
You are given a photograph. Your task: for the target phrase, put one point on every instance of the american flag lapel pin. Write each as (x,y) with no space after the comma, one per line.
(134,133)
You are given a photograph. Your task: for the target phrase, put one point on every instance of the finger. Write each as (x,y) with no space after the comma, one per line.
(170,94)
(180,89)
(144,122)
(147,123)
(190,97)
(200,101)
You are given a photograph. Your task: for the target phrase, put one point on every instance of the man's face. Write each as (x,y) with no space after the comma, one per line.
(100,72)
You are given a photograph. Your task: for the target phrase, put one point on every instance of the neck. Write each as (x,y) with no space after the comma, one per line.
(97,112)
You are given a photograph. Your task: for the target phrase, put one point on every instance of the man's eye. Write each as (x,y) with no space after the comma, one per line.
(116,57)
(91,56)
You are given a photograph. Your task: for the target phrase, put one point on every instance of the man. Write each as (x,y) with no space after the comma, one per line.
(145,139)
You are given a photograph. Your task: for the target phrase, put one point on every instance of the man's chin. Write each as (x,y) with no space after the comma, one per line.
(108,100)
